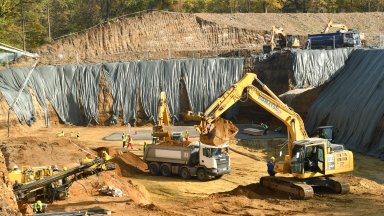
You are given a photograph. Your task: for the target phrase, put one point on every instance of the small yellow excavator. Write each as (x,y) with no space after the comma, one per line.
(308,162)
(341,28)
(163,128)
(331,24)
(280,40)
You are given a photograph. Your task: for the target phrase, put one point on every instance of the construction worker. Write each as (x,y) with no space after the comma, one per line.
(16,169)
(124,139)
(39,207)
(145,146)
(271,166)
(265,127)
(186,135)
(60,134)
(130,141)
(154,140)
(55,169)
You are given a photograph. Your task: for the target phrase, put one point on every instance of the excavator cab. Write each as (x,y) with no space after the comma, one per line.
(308,158)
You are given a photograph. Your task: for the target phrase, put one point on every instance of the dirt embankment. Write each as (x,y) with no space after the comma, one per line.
(155,35)
(159,35)
(8,204)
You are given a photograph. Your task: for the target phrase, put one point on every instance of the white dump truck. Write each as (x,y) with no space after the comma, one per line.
(197,159)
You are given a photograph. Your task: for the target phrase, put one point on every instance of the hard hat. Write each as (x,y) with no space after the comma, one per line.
(38,202)
(272,158)
(15,167)
(65,168)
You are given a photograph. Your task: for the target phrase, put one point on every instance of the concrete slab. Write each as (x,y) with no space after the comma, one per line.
(270,133)
(147,134)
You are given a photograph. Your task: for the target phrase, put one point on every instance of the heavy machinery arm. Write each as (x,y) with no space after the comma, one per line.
(164,114)
(330,24)
(163,129)
(95,166)
(270,102)
(284,40)
(311,161)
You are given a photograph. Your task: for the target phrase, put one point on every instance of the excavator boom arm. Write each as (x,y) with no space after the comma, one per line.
(330,24)
(270,102)
(164,116)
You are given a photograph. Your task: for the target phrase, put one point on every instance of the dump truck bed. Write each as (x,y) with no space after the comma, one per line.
(167,154)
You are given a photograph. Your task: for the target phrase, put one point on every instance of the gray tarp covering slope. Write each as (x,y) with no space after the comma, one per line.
(353,103)
(11,82)
(314,67)
(122,79)
(206,80)
(72,87)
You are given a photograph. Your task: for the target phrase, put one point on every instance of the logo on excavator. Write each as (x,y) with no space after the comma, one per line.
(273,106)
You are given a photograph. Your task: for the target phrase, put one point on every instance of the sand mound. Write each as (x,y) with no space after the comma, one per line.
(134,161)
(127,162)
(8,205)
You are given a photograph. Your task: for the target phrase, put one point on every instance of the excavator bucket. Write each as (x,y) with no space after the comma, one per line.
(221,131)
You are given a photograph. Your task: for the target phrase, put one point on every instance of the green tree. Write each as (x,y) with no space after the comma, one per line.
(274,5)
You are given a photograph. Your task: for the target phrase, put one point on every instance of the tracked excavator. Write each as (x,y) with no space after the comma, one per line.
(331,24)
(163,128)
(343,29)
(279,39)
(309,162)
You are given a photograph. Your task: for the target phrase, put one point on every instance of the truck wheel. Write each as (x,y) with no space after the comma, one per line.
(154,168)
(165,170)
(202,175)
(184,173)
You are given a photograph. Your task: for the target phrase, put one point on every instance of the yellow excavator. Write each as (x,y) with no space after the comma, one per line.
(341,28)
(280,40)
(163,128)
(309,161)
(331,24)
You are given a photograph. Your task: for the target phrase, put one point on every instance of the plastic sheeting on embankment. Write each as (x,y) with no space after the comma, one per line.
(71,88)
(314,67)
(353,103)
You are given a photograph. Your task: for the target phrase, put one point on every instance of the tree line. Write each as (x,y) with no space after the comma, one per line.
(29,23)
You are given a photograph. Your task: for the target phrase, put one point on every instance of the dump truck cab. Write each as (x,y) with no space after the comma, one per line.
(215,159)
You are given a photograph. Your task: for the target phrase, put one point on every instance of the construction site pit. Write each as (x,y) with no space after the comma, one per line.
(72,120)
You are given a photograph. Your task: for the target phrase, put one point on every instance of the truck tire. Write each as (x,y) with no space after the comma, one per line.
(184,173)
(202,174)
(154,168)
(165,170)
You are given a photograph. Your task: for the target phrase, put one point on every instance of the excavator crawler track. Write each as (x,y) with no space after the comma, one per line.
(289,186)
(338,186)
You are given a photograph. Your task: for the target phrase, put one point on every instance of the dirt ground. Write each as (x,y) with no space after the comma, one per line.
(234,194)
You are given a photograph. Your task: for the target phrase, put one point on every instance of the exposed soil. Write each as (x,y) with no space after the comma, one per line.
(237,193)
(159,35)
(167,35)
